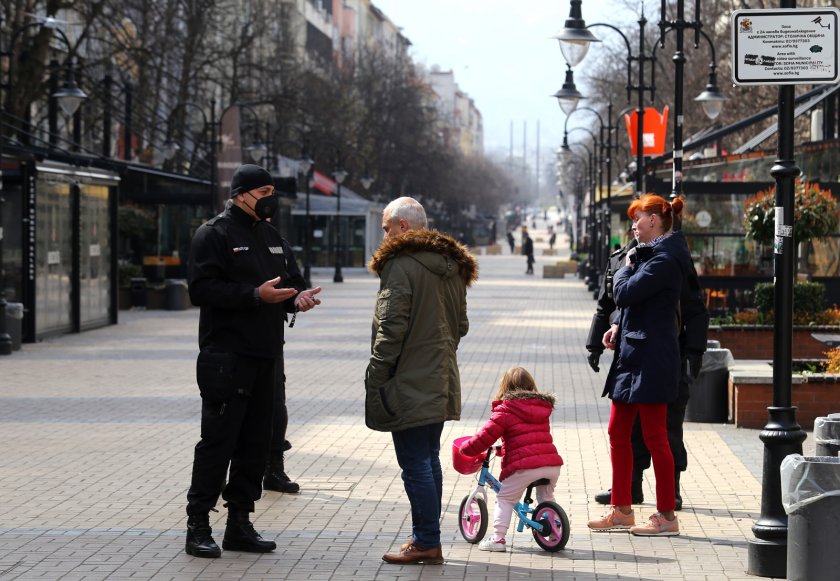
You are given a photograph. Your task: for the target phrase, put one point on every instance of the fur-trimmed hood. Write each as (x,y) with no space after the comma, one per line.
(516,394)
(419,241)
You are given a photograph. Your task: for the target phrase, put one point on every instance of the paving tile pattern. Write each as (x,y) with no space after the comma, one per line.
(98,431)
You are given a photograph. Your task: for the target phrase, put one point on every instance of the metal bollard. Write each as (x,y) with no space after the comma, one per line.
(827,435)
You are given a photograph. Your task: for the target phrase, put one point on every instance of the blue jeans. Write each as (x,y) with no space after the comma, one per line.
(418,454)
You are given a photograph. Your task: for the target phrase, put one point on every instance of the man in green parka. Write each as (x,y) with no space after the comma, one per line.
(412,382)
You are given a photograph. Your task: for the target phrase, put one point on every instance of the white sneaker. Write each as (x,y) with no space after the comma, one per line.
(489,544)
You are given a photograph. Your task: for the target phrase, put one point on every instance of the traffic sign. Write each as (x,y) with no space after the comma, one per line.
(785,47)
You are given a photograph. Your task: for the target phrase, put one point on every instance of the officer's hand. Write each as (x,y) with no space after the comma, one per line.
(269,294)
(593,358)
(306,299)
(693,362)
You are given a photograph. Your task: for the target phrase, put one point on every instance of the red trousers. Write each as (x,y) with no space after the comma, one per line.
(655,434)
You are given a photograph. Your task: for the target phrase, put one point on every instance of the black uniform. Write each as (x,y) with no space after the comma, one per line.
(695,325)
(239,338)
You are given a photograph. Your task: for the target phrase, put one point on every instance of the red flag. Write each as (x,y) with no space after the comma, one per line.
(653,133)
(322,183)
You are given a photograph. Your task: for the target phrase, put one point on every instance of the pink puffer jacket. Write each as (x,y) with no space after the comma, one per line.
(520,419)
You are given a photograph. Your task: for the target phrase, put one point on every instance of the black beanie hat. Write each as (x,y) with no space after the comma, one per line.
(249,177)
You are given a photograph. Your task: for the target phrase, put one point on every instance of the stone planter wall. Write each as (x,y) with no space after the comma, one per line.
(756,341)
(814,395)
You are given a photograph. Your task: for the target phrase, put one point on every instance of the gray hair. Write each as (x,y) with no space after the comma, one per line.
(408,209)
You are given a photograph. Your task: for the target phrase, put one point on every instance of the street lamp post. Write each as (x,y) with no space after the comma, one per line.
(574,40)
(711,99)
(69,97)
(340,175)
(305,169)
(592,271)
(782,435)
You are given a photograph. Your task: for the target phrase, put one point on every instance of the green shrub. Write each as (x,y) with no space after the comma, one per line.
(808,297)
(127,271)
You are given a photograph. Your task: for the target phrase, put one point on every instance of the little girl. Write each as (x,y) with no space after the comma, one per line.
(520,418)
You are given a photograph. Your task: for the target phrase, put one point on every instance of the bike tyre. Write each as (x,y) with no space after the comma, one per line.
(551,515)
(471,529)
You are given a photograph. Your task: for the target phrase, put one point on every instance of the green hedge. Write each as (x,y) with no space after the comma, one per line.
(808,297)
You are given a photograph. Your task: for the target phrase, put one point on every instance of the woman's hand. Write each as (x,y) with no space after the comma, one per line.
(627,258)
(610,337)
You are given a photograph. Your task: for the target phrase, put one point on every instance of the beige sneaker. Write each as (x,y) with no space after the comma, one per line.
(657,526)
(613,520)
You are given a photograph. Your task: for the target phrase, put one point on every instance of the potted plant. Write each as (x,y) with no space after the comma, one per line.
(815,215)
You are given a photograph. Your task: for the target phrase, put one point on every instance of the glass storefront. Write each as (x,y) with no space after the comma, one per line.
(53,256)
(94,256)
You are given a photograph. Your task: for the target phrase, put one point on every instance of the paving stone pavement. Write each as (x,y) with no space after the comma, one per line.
(98,431)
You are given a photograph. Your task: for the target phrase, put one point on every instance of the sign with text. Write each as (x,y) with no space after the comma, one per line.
(785,46)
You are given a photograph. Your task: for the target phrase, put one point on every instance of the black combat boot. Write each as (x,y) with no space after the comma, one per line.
(636,494)
(200,541)
(275,477)
(241,536)
(678,499)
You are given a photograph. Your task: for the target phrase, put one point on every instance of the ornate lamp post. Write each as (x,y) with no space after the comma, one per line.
(711,99)
(575,39)
(69,97)
(339,175)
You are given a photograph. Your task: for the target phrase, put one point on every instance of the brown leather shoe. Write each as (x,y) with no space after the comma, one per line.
(414,554)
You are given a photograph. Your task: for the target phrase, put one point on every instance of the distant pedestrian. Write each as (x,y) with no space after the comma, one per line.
(520,419)
(242,277)
(510,240)
(412,383)
(528,250)
(551,240)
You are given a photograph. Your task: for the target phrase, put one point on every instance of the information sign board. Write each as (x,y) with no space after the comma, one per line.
(785,46)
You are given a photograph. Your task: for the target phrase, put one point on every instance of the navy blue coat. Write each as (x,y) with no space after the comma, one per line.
(646,366)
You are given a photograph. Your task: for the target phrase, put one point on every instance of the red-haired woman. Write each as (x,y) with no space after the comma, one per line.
(645,371)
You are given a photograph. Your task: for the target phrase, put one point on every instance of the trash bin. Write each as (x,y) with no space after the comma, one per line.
(138,293)
(708,393)
(712,344)
(811,498)
(177,296)
(14,323)
(827,435)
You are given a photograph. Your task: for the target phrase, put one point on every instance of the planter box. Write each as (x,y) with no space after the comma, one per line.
(756,341)
(751,392)
(560,269)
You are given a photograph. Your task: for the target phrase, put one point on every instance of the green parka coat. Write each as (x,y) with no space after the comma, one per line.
(421,314)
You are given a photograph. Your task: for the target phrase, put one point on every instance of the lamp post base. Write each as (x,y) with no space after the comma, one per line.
(307,276)
(767,553)
(337,277)
(767,558)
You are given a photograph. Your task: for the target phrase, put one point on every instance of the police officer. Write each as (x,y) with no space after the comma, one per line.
(695,325)
(240,276)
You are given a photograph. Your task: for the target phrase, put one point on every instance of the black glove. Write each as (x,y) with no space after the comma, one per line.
(693,362)
(592,359)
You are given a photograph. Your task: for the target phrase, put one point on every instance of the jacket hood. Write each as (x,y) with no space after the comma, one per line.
(516,394)
(531,406)
(436,244)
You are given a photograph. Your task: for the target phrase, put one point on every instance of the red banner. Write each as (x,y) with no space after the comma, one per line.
(653,133)
(322,183)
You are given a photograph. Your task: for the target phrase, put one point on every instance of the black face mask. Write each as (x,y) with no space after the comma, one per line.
(265,207)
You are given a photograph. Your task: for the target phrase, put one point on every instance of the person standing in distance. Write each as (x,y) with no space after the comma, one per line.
(412,383)
(528,250)
(238,276)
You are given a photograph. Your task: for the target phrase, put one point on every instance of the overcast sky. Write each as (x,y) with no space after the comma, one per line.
(503,56)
